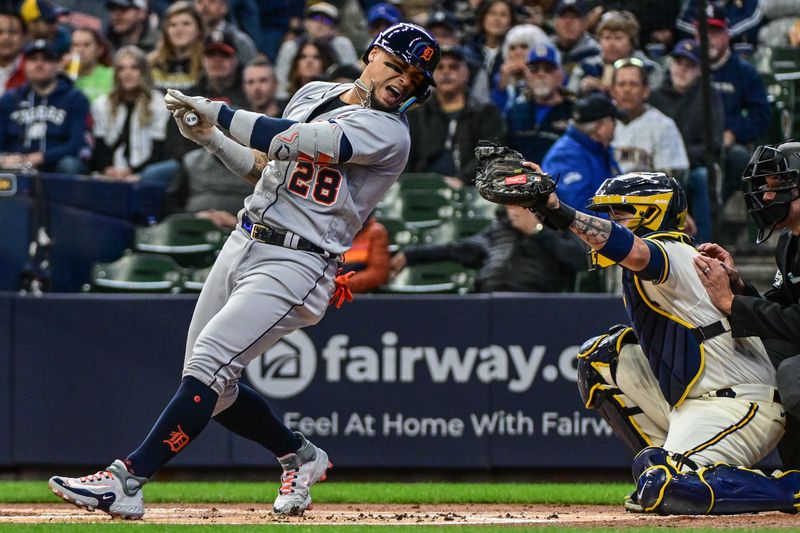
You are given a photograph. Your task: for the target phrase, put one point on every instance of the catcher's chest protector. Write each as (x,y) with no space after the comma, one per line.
(674,353)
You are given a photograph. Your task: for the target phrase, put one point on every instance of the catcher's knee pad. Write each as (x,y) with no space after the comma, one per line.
(597,363)
(720,489)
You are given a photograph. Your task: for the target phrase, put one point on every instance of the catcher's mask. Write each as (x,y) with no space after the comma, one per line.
(649,201)
(416,47)
(773,169)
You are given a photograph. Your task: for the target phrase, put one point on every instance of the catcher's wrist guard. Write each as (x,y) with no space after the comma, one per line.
(560,218)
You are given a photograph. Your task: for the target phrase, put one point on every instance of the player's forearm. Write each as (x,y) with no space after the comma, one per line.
(612,240)
(261,161)
(239,159)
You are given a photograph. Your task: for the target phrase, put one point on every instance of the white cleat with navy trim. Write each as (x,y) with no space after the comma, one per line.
(114,490)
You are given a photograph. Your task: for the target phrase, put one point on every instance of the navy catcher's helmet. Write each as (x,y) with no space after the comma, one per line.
(655,199)
(416,47)
(782,162)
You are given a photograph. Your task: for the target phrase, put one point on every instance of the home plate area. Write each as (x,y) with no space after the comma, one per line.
(512,515)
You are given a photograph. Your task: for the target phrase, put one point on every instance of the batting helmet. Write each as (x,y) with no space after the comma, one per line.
(416,47)
(655,199)
(781,162)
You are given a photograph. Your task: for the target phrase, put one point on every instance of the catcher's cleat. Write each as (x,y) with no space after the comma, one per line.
(114,490)
(300,470)
(632,504)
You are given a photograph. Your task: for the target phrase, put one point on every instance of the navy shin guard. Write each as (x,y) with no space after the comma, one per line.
(719,489)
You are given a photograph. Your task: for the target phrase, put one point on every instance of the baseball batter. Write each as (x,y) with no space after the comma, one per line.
(319,171)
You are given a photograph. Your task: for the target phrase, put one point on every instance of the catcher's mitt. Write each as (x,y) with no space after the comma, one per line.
(500,178)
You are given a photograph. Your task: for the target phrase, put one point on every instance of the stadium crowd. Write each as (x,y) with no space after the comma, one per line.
(590,88)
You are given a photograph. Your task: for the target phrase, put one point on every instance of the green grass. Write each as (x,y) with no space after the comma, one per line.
(332,492)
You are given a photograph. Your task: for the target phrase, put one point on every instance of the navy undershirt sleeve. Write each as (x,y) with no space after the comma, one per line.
(266,128)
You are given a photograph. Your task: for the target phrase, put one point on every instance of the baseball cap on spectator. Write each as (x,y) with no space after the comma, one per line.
(454,51)
(571,5)
(323,12)
(385,12)
(687,48)
(220,41)
(544,53)
(32,10)
(593,107)
(444,19)
(715,15)
(138,4)
(41,46)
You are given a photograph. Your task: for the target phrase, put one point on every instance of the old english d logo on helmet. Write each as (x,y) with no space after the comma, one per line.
(411,43)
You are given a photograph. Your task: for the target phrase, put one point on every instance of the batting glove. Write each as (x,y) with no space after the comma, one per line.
(203,133)
(205,108)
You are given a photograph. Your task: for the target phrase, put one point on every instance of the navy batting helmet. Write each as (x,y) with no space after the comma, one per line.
(656,200)
(782,163)
(416,47)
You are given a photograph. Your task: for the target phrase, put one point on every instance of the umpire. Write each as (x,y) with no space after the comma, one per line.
(772,186)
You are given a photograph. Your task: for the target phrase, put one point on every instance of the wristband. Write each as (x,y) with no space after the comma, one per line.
(560,218)
(619,243)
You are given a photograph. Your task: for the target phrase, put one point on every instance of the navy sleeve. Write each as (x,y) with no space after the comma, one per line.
(657,269)
(79,118)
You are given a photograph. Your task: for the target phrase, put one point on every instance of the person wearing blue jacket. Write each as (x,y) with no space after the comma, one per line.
(45,123)
(744,16)
(582,158)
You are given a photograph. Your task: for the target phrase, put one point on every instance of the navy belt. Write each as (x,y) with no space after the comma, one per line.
(728,392)
(278,237)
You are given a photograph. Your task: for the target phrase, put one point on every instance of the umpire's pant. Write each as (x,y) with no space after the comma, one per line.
(789,387)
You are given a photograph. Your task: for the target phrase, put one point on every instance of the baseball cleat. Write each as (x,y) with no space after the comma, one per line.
(114,490)
(300,470)
(632,504)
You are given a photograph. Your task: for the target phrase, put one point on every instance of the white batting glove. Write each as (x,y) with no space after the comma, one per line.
(205,108)
(201,133)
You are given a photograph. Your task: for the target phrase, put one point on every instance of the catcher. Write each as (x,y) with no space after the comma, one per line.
(697,406)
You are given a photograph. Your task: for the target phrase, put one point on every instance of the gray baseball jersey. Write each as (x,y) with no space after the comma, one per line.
(327,204)
(256,293)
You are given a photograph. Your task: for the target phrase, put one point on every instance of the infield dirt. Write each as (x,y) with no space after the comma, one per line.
(513,515)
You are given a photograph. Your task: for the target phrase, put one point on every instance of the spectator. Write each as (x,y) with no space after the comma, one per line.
(129,24)
(177,61)
(320,24)
(12,35)
(445,29)
(215,13)
(130,123)
(309,64)
(368,257)
(511,77)
(645,140)
(446,128)
(618,33)
(381,16)
(260,86)
(274,21)
(681,99)
(494,18)
(537,122)
(93,54)
(782,26)
(583,157)
(45,122)
(342,74)
(515,253)
(221,78)
(572,39)
(85,14)
(42,21)
(744,17)
(744,99)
